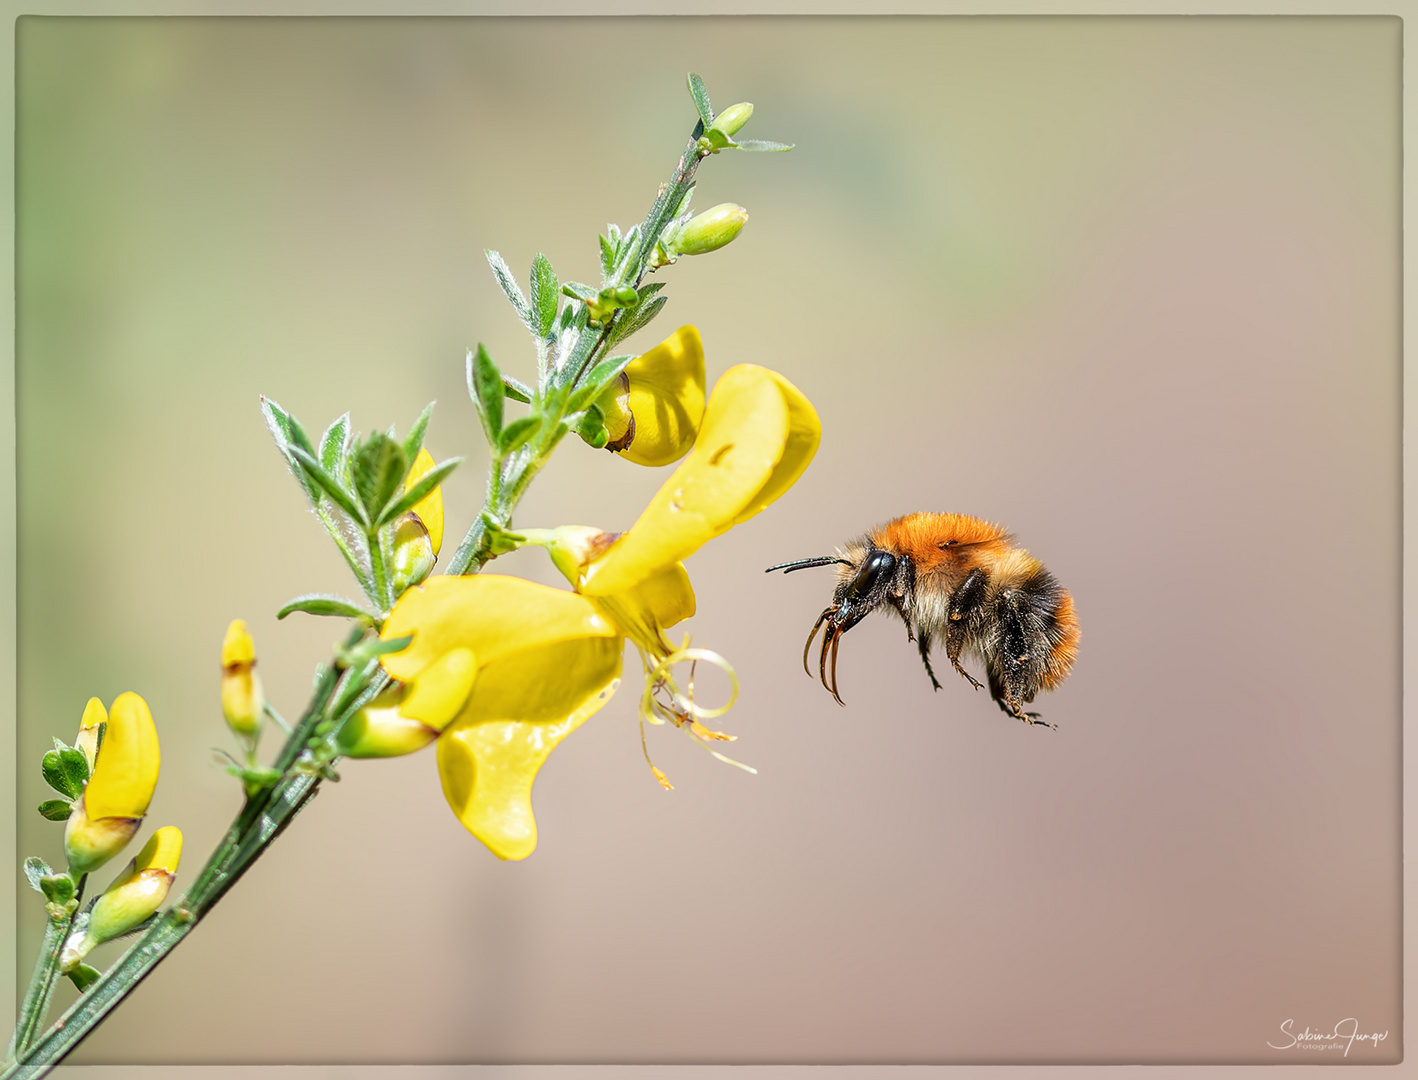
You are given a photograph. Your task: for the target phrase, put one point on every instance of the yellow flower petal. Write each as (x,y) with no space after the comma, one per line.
(488,767)
(758,436)
(163,851)
(237,646)
(430,507)
(543,684)
(668,596)
(441,689)
(660,401)
(490,615)
(127,768)
(95,716)
(411,718)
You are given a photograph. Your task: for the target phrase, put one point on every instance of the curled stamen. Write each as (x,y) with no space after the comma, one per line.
(661,675)
(681,709)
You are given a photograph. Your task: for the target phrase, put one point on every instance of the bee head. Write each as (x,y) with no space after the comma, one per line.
(867,580)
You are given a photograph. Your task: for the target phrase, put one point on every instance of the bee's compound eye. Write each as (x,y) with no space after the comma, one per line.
(877,565)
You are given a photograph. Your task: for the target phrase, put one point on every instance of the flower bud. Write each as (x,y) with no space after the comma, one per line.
(574,547)
(90,729)
(429,509)
(242,699)
(125,773)
(135,895)
(413,553)
(652,412)
(731,119)
(409,718)
(710,230)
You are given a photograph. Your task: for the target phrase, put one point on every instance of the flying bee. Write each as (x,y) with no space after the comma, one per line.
(962,580)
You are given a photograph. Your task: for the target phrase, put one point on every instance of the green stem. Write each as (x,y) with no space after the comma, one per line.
(262,819)
(46,974)
(504,495)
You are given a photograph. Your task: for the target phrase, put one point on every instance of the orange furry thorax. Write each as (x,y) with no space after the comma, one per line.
(927,538)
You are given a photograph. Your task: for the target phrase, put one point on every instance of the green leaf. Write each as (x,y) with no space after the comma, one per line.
(639,318)
(298,437)
(593,428)
(281,426)
(486,388)
(414,443)
(57,776)
(332,445)
(509,285)
(322,480)
(378,646)
(516,389)
(325,604)
(416,494)
(763,145)
(578,291)
(607,258)
(544,295)
(701,99)
(595,381)
(518,432)
(84,976)
(75,766)
(718,139)
(56,809)
(379,471)
(35,870)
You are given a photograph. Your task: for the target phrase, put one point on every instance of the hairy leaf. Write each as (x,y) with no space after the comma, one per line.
(509,285)
(544,295)
(324,604)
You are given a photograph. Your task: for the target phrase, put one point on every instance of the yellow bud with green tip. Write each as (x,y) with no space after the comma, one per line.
(125,773)
(242,699)
(134,895)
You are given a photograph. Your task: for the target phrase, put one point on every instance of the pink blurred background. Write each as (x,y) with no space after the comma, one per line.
(1130,286)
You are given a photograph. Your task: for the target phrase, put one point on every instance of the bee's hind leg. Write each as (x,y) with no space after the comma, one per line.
(1010,706)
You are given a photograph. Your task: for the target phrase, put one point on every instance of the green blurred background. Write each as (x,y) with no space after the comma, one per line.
(1129,285)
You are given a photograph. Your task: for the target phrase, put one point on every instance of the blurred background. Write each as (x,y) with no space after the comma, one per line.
(1128,285)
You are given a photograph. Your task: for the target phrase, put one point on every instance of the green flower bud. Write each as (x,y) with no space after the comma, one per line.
(731,119)
(710,230)
(413,553)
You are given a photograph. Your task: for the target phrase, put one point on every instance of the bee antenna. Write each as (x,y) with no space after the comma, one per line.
(803,564)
